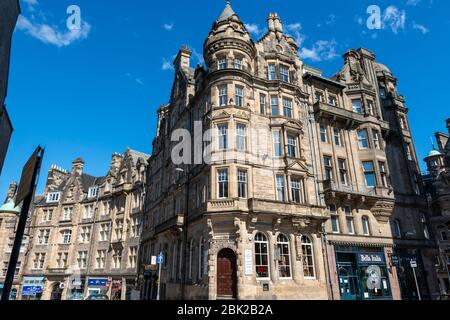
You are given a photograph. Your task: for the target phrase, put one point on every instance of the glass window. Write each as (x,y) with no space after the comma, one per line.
(323,133)
(223,63)
(223,136)
(397,229)
(284,73)
(274,105)
(287,107)
(280,188)
(332,100)
(357,106)
(222,183)
(308,258)
(370,107)
(342,171)
(82,259)
(376,139)
(261,256)
(369,174)
(239,96)
(53,197)
(223,96)
(272,73)
(241,137)
(383,174)
(238,63)
(337,136)
(292,146)
(349,219)
(334,218)
(277,144)
(319,96)
(100,260)
(284,257)
(242,184)
(363,141)
(328,165)
(262,103)
(296,189)
(66,236)
(366,225)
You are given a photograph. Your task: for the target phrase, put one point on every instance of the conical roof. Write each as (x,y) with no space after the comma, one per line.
(10,207)
(227,13)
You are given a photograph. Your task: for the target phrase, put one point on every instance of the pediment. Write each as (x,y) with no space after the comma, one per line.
(222,115)
(297,165)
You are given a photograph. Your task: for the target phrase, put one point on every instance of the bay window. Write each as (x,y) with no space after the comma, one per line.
(222,181)
(369,174)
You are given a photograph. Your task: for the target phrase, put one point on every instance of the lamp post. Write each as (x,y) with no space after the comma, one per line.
(185,234)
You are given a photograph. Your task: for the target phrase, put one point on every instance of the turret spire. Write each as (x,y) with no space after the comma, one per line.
(227,13)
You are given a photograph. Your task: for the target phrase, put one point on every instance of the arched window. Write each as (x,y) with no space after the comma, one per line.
(397,229)
(261,256)
(191,258)
(309,271)
(283,257)
(366,225)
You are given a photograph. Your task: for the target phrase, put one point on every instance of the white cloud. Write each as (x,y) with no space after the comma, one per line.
(168,26)
(253,28)
(394,19)
(295,28)
(420,27)
(320,51)
(166,65)
(412,2)
(50,34)
(198,56)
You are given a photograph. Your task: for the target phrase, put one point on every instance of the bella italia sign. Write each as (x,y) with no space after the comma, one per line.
(372,258)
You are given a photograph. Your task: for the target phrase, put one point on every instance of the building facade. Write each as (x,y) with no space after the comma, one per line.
(9,217)
(270,181)
(437,183)
(84,236)
(9,11)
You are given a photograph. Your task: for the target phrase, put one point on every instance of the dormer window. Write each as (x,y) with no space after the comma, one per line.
(93,192)
(53,197)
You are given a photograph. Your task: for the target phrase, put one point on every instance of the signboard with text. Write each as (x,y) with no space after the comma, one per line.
(371,258)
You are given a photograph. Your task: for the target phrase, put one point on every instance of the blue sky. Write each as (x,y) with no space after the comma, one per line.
(96,91)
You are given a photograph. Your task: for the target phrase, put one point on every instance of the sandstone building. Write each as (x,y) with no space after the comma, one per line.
(437,182)
(310,188)
(84,232)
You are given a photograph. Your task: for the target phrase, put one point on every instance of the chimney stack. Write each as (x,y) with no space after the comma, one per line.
(183,59)
(271,23)
(77,166)
(278,23)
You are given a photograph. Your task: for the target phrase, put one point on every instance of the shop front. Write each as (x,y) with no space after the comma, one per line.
(116,289)
(362,273)
(98,286)
(33,288)
(75,290)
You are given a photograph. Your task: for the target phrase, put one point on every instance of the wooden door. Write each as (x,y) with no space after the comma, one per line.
(226,274)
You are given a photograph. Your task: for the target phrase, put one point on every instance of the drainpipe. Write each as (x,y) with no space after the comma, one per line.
(327,272)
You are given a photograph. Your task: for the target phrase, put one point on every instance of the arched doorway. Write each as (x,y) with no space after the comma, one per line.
(226,274)
(56,292)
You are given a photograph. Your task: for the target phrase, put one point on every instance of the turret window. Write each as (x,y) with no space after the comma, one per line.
(363,141)
(223,96)
(223,63)
(369,174)
(383,174)
(239,96)
(357,106)
(238,63)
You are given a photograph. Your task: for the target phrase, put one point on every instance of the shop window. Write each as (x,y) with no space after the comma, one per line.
(283,257)
(261,256)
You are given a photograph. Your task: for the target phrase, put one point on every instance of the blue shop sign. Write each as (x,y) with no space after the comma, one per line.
(371,258)
(31,290)
(97,282)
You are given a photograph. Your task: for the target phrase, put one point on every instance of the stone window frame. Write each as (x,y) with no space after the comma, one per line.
(266,241)
(304,245)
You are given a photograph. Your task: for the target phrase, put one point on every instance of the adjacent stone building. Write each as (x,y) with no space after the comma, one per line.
(9,11)
(85,231)
(437,183)
(270,181)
